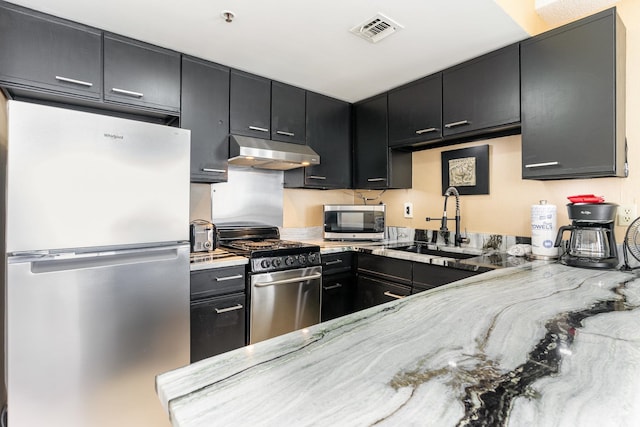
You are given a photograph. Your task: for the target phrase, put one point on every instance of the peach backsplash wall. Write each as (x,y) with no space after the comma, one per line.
(506,210)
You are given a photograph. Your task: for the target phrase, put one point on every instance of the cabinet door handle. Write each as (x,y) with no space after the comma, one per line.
(336,286)
(225,310)
(427,130)
(258,129)
(392,295)
(334,262)
(222,279)
(127,92)
(213,170)
(454,124)
(540,165)
(74,81)
(281,132)
(316,177)
(376,179)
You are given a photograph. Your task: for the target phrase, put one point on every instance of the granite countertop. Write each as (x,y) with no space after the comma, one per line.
(537,344)
(215,259)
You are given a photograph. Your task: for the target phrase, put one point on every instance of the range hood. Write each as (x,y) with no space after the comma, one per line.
(266,154)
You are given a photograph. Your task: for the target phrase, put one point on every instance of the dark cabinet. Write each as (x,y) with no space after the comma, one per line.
(415,112)
(482,93)
(329,134)
(376,165)
(205,111)
(141,75)
(288,105)
(218,311)
(338,285)
(43,53)
(428,276)
(250,105)
(573,100)
(381,279)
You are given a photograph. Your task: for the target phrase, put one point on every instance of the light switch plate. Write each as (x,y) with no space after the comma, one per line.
(408,210)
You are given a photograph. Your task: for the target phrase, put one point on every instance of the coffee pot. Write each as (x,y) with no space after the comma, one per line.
(592,241)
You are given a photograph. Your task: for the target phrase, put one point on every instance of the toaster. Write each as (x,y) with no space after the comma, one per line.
(202,236)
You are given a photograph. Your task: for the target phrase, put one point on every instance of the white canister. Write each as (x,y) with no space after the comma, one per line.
(543,230)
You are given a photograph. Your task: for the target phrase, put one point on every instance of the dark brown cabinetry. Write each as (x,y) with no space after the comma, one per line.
(376,165)
(250,105)
(415,112)
(381,279)
(338,285)
(482,93)
(573,100)
(428,276)
(47,54)
(218,311)
(288,105)
(329,134)
(141,75)
(205,111)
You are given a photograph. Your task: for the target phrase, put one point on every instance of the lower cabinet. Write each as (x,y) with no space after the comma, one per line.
(338,285)
(381,279)
(372,291)
(428,276)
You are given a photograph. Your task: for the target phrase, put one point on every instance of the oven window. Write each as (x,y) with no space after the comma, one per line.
(354,222)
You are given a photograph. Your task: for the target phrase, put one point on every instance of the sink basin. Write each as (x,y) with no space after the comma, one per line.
(420,249)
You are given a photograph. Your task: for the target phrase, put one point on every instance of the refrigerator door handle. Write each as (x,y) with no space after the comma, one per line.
(101,259)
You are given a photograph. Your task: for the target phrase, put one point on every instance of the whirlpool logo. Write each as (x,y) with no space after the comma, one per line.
(113,136)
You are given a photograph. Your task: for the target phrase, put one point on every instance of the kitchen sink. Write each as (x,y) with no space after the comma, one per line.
(421,249)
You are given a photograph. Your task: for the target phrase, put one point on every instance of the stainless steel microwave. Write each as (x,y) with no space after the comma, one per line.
(354,222)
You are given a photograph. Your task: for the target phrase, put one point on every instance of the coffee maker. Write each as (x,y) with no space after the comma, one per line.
(592,242)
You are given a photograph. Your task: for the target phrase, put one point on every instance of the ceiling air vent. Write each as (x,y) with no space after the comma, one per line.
(376,28)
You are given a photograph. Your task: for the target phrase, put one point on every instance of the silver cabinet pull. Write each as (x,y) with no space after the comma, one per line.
(376,179)
(454,124)
(258,129)
(222,279)
(334,262)
(213,170)
(225,310)
(281,132)
(540,165)
(392,295)
(127,92)
(427,130)
(336,286)
(74,81)
(316,177)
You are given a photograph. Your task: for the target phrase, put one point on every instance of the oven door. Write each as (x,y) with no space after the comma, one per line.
(284,301)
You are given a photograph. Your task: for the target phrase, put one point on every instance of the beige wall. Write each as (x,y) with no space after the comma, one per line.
(506,209)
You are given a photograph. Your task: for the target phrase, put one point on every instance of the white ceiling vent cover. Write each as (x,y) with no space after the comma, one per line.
(376,28)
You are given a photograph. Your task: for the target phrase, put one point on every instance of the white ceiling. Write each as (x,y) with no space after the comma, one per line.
(307,43)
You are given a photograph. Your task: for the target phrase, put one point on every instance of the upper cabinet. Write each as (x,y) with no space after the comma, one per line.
(573,100)
(415,111)
(205,111)
(287,113)
(329,135)
(139,74)
(43,53)
(376,165)
(482,93)
(250,105)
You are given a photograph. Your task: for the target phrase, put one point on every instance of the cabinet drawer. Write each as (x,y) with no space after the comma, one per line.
(372,291)
(427,276)
(337,263)
(217,281)
(338,295)
(396,270)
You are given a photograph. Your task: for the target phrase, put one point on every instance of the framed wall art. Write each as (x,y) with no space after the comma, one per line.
(467,169)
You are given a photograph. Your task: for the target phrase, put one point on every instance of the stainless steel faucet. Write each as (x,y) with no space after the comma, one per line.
(444,231)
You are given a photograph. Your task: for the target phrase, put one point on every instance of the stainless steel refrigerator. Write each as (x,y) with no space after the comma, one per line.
(97,266)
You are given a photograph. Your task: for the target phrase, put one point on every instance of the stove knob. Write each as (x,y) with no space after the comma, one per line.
(302,259)
(289,260)
(264,263)
(277,262)
(313,258)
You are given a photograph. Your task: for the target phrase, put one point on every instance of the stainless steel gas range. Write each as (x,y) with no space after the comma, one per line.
(284,279)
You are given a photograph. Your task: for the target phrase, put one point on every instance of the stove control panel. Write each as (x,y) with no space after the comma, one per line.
(285,262)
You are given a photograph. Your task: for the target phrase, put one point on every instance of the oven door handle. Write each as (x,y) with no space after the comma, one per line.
(292,280)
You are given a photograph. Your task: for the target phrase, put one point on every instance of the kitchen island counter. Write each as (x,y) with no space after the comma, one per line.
(537,344)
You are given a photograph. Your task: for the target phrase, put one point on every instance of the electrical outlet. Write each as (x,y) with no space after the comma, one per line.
(408,210)
(626,214)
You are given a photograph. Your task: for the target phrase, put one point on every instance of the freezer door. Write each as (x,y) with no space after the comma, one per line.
(87,335)
(79,180)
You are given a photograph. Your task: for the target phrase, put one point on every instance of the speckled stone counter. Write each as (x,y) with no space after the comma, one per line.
(540,344)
